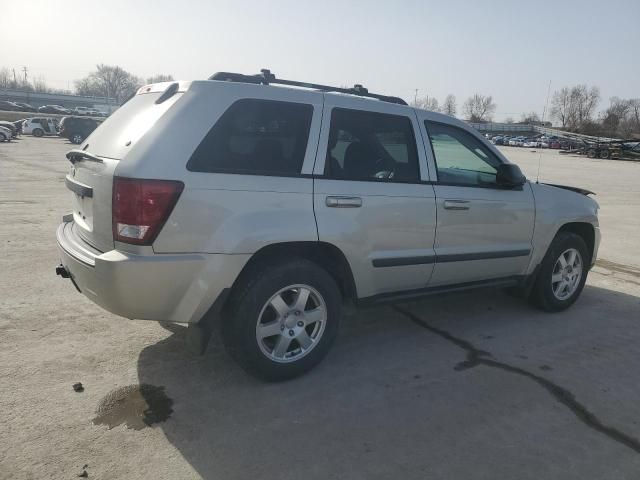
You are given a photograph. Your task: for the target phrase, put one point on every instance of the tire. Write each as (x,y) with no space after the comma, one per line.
(591,153)
(76,138)
(604,154)
(38,132)
(2,137)
(256,335)
(547,293)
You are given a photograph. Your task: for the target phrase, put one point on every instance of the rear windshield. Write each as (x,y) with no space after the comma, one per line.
(128,124)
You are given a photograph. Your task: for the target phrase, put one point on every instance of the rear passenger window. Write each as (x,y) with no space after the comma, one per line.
(371,146)
(256,137)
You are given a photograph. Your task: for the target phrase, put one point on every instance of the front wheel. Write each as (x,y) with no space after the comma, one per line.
(2,137)
(562,274)
(38,132)
(283,319)
(76,138)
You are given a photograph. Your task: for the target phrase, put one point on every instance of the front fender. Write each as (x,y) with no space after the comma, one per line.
(556,207)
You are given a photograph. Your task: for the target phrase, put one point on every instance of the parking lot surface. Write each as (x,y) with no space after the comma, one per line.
(474,385)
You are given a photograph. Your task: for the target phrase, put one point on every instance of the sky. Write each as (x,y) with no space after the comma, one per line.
(507,49)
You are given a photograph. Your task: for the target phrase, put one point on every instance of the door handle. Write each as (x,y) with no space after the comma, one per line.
(343,202)
(456,204)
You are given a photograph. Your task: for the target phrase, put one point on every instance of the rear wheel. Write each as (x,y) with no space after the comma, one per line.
(38,132)
(562,274)
(3,138)
(604,153)
(282,320)
(77,138)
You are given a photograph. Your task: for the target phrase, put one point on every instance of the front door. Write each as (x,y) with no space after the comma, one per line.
(371,198)
(484,231)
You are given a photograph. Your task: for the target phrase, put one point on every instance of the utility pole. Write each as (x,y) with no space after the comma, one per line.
(24,69)
(415,98)
(15,82)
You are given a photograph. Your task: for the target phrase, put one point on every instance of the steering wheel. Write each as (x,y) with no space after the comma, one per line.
(384,174)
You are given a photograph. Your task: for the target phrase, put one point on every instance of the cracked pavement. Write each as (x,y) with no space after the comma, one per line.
(474,385)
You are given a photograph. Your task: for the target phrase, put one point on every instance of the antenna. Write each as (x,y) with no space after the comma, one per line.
(544,111)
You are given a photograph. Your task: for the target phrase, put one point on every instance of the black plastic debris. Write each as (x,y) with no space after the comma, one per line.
(78,387)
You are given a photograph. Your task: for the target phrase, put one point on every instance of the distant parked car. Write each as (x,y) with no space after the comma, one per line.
(5,134)
(9,106)
(76,129)
(81,111)
(54,109)
(11,127)
(25,107)
(39,127)
(555,144)
(497,140)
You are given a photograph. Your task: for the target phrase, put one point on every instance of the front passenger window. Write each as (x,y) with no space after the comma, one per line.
(460,157)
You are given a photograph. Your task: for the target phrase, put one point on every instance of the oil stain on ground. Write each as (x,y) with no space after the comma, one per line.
(137,406)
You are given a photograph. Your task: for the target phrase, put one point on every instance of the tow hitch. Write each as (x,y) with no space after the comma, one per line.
(62,271)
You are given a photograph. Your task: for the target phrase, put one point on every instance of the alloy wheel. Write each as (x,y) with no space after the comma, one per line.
(291,323)
(567,273)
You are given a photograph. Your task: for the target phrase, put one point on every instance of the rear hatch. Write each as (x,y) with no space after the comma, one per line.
(90,178)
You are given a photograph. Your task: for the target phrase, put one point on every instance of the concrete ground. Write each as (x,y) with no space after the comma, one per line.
(475,385)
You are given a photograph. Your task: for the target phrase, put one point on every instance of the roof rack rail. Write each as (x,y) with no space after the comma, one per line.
(265,77)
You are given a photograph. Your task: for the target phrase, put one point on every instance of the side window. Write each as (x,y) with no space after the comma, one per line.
(256,137)
(460,157)
(371,146)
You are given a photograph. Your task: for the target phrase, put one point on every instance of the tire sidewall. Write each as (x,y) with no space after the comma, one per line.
(545,297)
(239,328)
(38,132)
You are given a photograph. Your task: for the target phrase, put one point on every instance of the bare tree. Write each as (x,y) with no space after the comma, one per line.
(449,106)
(586,100)
(509,120)
(561,106)
(479,108)
(109,81)
(427,103)
(40,85)
(5,78)
(530,118)
(575,107)
(613,117)
(160,77)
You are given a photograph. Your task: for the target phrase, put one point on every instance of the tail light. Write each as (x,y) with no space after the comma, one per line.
(140,208)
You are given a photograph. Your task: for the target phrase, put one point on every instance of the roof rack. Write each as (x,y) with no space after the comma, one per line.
(265,77)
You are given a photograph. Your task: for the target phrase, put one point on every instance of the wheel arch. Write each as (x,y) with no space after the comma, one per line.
(585,230)
(325,255)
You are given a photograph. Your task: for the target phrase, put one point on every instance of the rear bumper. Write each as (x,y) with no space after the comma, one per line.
(165,287)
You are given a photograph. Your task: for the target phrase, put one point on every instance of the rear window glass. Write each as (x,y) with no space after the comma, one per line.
(256,137)
(128,124)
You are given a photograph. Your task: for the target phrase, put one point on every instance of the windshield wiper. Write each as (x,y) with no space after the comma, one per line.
(76,155)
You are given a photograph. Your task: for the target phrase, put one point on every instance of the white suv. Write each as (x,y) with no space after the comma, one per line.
(272,206)
(40,126)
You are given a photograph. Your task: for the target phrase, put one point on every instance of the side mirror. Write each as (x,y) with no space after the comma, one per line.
(510,175)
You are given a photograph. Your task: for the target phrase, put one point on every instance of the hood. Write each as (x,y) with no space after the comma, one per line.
(583,191)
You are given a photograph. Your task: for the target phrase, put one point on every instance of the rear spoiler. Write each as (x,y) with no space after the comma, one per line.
(583,191)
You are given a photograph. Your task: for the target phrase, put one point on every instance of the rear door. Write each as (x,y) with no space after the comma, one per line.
(372,198)
(484,231)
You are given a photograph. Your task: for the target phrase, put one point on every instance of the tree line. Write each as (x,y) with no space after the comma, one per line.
(574,109)
(109,81)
